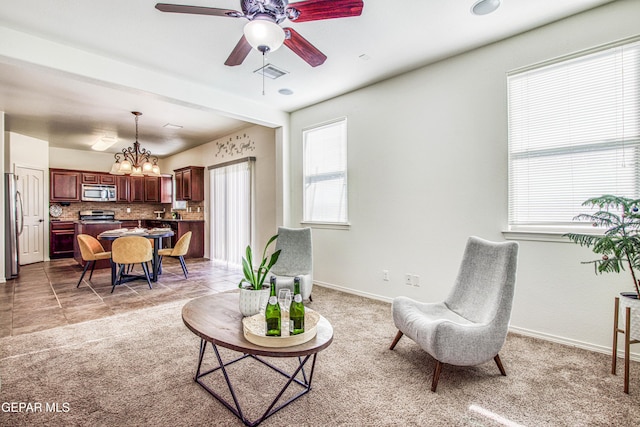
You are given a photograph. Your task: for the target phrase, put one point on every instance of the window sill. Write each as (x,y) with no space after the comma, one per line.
(547,234)
(327,225)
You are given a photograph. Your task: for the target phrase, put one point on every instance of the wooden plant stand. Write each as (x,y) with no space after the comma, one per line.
(627,342)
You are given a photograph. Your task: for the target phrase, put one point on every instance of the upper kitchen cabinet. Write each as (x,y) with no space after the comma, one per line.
(144,189)
(122,188)
(64,185)
(166,189)
(98,178)
(136,189)
(190,183)
(151,189)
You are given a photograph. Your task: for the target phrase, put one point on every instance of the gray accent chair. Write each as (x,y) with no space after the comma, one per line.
(296,259)
(470,326)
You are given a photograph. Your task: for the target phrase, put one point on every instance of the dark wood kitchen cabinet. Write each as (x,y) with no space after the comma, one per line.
(136,189)
(144,189)
(196,246)
(64,185)
(166,189)
(98,178)
(61,238)
(190,183)
(152,189)
(122,188)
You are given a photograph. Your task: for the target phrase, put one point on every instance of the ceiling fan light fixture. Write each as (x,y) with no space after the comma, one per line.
(263,34)
(485,7)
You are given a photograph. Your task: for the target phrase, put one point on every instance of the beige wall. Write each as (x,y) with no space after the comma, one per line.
(261,143)
(427,167)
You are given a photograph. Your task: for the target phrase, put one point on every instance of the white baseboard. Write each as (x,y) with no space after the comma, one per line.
(515,329)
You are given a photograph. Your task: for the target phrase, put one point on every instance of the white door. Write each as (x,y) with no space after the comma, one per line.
(31,188)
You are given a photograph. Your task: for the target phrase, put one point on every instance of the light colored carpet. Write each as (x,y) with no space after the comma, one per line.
(137,369)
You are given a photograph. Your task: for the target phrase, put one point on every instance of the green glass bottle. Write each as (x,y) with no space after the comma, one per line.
(296,310)
(272,315)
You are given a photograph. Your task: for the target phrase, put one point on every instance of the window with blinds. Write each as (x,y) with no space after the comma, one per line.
(574,133)
(325,173)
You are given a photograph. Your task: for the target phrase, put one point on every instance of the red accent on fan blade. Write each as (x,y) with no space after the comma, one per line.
(238,53)
(301,47)
(197,10)
(315,10)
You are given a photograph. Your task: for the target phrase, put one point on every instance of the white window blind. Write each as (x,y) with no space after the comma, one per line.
(325,173)
(574,133)
(231,210)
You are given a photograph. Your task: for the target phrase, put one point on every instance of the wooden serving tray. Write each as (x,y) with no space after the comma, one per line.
(253,328)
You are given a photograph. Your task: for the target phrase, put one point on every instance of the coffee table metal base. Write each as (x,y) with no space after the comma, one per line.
(235,408)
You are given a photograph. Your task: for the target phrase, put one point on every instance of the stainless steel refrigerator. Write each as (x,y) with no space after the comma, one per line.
(14,222)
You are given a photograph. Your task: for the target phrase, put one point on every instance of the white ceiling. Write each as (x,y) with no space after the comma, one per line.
(73,112)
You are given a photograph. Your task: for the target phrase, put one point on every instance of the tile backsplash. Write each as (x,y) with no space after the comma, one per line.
(138,210)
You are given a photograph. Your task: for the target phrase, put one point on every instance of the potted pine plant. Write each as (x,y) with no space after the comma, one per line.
(618,246)
(253,292)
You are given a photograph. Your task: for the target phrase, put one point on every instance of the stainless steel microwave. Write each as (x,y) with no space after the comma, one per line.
(98,193)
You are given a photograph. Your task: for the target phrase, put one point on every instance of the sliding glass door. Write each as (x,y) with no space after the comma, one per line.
(231,210)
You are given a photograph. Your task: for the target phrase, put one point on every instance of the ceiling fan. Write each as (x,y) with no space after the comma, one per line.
(263,30)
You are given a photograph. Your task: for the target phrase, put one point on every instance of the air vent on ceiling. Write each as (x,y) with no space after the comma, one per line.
(271,71)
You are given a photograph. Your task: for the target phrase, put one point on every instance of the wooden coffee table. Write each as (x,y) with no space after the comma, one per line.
(217,320)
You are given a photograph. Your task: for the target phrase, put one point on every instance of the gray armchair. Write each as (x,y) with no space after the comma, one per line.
(296,259)
(470,326)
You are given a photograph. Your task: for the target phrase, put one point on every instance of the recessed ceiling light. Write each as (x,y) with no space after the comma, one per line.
(484,7)
(104,143)
(285,91)
(172,126)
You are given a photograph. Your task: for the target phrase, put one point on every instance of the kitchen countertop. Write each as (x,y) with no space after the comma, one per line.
(163,220)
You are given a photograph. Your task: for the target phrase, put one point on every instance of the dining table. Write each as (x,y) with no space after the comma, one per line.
(157,234)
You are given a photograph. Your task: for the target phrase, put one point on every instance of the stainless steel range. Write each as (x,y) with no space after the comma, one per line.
(98,216)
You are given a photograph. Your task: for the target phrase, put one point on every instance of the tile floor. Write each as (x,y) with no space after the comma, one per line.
(45,295)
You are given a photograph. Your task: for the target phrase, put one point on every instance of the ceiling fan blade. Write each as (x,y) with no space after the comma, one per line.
(239,52)
(314,10)
(198,10)
(301,47)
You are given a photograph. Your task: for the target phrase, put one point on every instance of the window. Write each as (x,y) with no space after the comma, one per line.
(325,173)
(231,195)
(574,133)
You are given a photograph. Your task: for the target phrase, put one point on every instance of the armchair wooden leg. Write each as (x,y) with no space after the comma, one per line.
(396,339)
(499,363)
(436,375)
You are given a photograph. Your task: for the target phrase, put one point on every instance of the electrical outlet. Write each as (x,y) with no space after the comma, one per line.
(407,279)
(128,210)
(415,279)
(385,275)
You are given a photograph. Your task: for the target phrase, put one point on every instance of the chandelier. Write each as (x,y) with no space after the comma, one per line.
(135,161)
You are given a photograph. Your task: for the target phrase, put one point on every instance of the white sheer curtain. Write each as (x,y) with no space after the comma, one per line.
(231,211)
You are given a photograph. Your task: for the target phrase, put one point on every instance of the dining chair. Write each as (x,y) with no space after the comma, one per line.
(128,250)
(178,251)
(91,250)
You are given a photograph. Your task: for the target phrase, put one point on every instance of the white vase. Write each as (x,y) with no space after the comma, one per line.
(629,299)
(252,302)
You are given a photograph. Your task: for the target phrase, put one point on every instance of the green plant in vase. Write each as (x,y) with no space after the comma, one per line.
(254,280)
(619,245)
